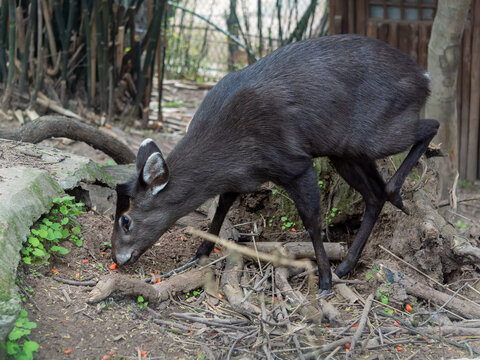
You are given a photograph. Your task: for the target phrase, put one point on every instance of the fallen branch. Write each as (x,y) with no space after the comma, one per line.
(74,282)
(427,334)
(467,309)
(58,126)
(231,286)
(304,249)
(296,299)
(361,325)
(127,286)
(276,259)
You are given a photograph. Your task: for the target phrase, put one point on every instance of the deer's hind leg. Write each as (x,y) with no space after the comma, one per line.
(364,177)
(427,129)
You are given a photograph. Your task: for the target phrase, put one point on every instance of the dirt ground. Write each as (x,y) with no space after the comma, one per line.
(122,328)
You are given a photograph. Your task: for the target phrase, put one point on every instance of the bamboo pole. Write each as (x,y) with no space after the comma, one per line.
(11,52)
(26,51)
(3,42)
(39,74)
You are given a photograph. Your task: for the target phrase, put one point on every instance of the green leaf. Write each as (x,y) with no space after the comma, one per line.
(384,300)
(34,241)
(57,201)
(30,346)
(76,230)
(63,210)
(274,191)
(79,242)
(368,276)
(58,234)
(65,233)
(47,222)
(107,243)
(27,260)
(55,226)
(65,221)
(38,252)
(12,348)
(34,231)
(43,233)
(60,249)
(140,299)
(284,218)
(17,333)
(50,235)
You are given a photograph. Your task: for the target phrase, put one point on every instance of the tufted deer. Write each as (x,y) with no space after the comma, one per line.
(348,97)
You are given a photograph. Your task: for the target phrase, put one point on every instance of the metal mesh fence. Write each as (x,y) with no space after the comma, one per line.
(197,51)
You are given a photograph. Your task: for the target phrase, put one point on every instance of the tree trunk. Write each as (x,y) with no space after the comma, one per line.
(443,62)
(232,27)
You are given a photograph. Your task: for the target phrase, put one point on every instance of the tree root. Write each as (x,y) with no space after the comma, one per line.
(60,126)
(127,286)
(466,309)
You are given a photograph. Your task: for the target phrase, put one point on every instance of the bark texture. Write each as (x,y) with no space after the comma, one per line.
(443,63)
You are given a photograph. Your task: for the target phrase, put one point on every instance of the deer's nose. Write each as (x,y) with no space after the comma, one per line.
(121,259)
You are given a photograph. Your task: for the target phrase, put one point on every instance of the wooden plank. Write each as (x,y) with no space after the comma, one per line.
(473,124)
(424,32)
(351,16)
(362,15)
(404,37)
(413,51)
(331,17)
(383,30)
(372,29)
(342,12)
(393,34)
(337,24)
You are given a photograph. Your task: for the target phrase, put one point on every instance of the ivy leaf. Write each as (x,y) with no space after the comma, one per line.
(65,221)
(30,346)
(63,210)
(17,333)
(43,233)
(34,241)
(38,252)
(60,249)
(65,233)
(12,348)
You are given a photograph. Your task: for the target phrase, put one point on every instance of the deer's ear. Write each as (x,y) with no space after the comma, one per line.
(147,148)
(155,173)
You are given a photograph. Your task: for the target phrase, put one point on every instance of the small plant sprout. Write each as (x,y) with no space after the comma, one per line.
(141,303)
(333,212)
(17,346)
(58,225)
(286,224)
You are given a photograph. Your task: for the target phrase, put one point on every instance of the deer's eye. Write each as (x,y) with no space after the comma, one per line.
(125,222)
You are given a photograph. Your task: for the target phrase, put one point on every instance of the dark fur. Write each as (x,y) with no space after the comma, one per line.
(348,97)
